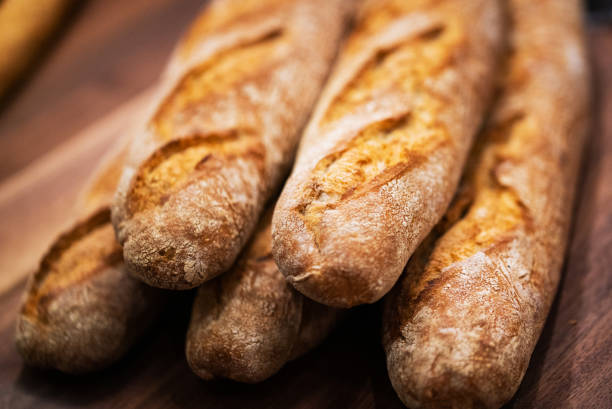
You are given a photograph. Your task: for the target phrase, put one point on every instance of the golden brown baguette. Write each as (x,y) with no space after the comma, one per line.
(461,324)
(383,153)
(249,322)
(25,25)
(81,310)
(222,135)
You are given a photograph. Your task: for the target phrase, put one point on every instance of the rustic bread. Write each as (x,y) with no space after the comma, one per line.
(222,134)
(383,152)
(249,322)
(25,25)
(81,310)
(462,322)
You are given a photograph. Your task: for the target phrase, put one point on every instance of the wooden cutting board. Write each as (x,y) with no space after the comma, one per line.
(571,366)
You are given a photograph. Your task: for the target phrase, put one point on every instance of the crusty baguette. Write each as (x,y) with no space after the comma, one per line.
(24,26)
(383,153)
(460,326)
(81,309)
(249,322)
(222,135)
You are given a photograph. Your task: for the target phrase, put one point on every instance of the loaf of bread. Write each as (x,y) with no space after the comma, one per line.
(81,309)
(461,324)
(382,155)
(222,134)
(25,25)
(249,322)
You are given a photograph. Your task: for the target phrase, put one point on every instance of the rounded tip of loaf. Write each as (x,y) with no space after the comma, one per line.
(341,270)
(243,324)
(157,274)
(453,387)
(70,352)
(183,243)
(220,360)
(160,256)
(440,356)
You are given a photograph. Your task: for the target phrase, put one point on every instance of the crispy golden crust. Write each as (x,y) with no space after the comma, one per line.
(24,27)
(81,310)
(382,155)
(460,326)
(248,323)
(222,134)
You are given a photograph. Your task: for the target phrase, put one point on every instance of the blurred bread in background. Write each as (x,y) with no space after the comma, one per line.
(25,26)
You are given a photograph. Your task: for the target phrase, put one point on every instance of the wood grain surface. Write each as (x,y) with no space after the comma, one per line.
(571,366)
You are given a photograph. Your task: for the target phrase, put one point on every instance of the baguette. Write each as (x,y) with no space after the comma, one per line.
(25,25)
(81,310)
(461,324)
(249,322)
(222,135)
(382,155)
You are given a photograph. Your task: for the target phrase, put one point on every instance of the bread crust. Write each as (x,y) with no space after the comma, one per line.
(81,310)
(461,324)
(249,322)
(221,135)
(382,154)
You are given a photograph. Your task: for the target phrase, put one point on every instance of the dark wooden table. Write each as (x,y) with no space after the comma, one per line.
(113,50)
